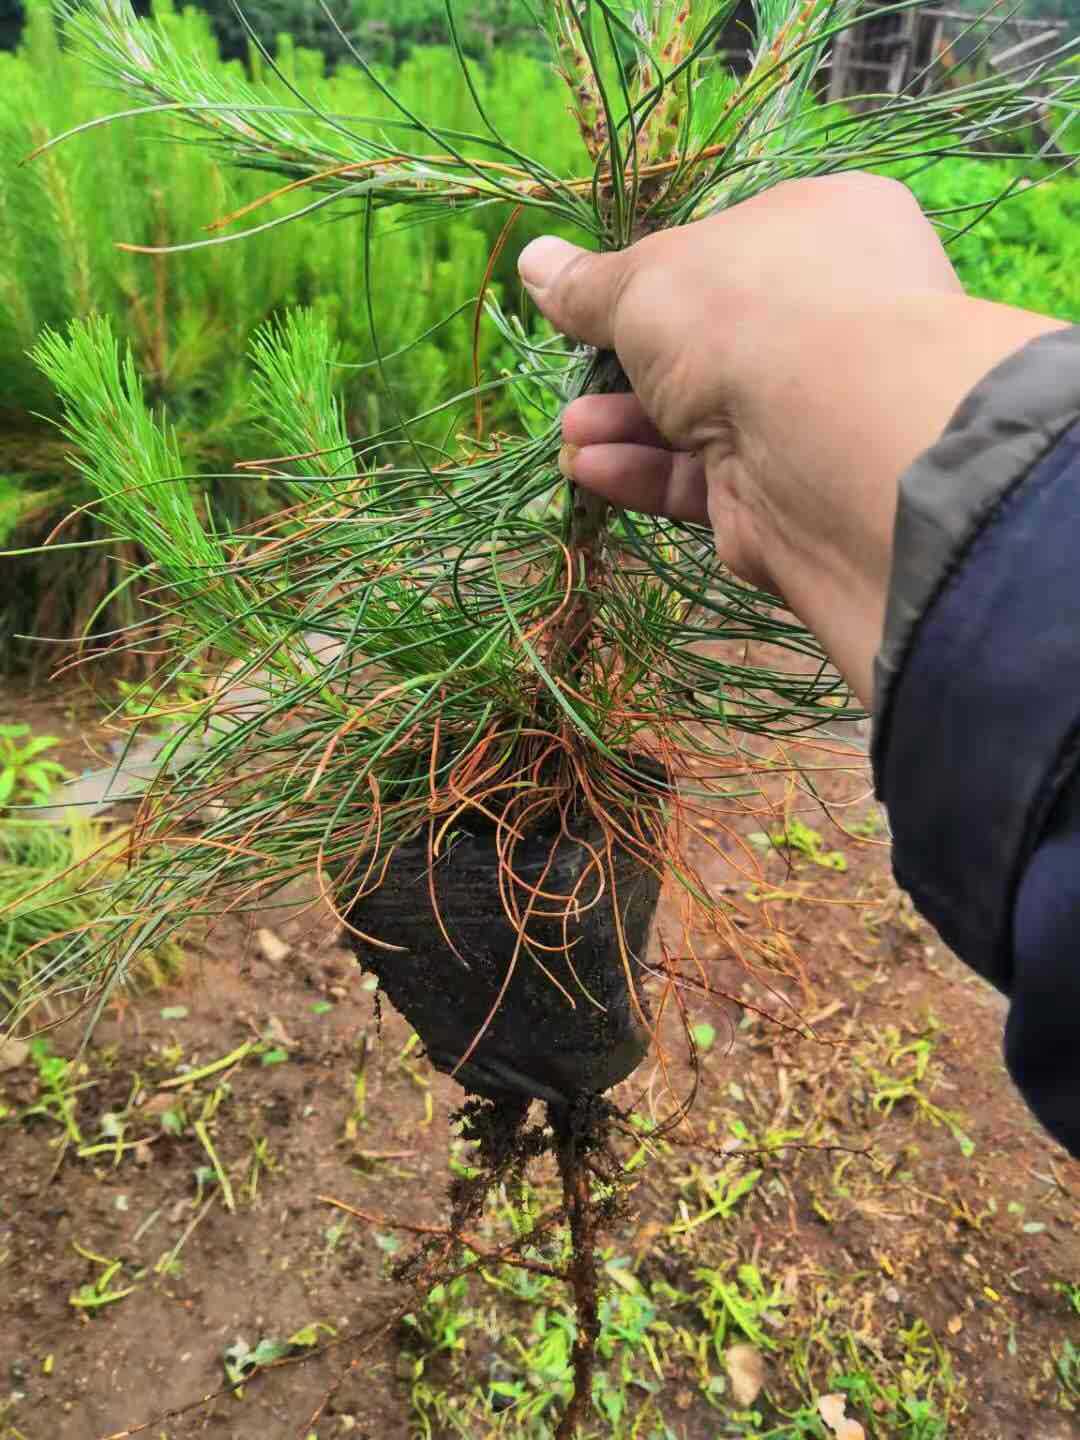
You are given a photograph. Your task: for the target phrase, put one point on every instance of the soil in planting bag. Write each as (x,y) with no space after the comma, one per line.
(538,1044)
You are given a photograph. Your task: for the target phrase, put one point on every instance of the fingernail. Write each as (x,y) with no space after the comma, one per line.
(567,455)
(540,262)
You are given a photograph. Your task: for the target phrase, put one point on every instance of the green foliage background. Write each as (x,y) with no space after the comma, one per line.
(189,318)
(381,29)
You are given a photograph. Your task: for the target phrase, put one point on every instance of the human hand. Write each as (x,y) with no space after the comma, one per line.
(789,359)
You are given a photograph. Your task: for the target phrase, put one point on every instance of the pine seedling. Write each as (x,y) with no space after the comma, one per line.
(442,632)
(501,643)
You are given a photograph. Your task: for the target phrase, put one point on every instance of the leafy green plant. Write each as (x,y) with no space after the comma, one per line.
(1024,252)
(899,1408)
(659,1344)
(534,1368)
(1067,1372)
(24,775)
(241,1361)
(58,1088)
(798,837)
(720,1195)
(740,1306)
(442,1322)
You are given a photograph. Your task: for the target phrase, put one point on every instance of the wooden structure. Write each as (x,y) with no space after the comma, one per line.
(911,51)
(922,48)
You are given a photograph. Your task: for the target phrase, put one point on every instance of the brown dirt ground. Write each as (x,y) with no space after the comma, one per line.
(909,1228)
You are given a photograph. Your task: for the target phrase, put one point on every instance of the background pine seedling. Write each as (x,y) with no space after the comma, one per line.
(64,220)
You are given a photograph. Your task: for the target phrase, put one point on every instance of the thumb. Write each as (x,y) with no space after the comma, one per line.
(577,290)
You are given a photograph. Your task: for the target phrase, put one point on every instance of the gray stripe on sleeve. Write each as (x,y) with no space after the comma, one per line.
(1001,430)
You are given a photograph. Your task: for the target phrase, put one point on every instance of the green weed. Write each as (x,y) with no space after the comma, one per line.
(357,1116)
(1066,1360)
(740,1306)
(719,1194)
(24,774)
(907,1079)
(659,1346)
(799,839)
(871,825)
(260,1163)
(59,1085)
(99,1292)
(241,1361)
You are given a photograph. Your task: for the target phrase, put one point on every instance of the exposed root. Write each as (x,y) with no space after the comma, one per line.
(583,1279)
(578,1134)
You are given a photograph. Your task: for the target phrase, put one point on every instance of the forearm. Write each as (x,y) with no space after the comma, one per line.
(925,355)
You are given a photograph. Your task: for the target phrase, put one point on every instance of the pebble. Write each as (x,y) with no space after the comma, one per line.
(272,946)
(13,1053)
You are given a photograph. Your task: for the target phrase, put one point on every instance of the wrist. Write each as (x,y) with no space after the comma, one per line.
(845,610)
(930,352)
(899,373)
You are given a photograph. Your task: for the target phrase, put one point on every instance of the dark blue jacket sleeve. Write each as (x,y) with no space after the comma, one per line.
(977,724)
